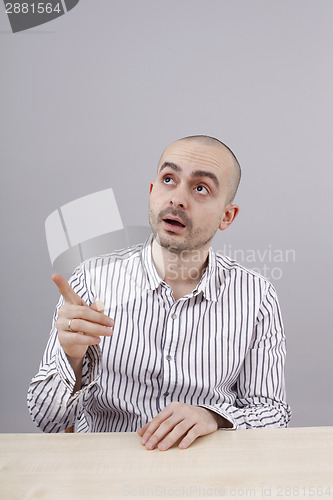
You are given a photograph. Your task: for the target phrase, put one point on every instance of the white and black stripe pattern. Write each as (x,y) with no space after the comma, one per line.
(221,347)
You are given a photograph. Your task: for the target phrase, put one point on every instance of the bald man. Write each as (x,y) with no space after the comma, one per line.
(167,338)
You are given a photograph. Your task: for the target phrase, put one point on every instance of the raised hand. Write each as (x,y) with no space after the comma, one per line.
(78,325)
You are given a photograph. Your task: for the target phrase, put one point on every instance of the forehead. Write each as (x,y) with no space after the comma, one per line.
(190,155)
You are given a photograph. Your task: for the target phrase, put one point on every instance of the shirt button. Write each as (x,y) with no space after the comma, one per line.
(173,316)
(168,357)
(166,394)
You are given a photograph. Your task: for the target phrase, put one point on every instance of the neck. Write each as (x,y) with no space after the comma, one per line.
(183,268)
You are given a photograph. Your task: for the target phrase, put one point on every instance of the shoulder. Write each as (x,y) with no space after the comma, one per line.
(119,257)
(239,281)
(95,272)
(98,271)
(231,269)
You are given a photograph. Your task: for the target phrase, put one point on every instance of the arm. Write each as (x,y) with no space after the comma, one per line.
(260,387)
(71,360)
(261,395)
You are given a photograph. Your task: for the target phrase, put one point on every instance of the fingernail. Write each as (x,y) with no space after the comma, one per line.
(109,331)
(149,444)
(110,322)
(144,440)
(162,446)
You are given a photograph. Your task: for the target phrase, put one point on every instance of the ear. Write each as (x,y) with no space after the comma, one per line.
(229,215)
(151,187)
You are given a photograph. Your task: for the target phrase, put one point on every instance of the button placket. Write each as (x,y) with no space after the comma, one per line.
(172,331)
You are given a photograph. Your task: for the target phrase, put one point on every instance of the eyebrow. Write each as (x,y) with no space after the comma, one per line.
(196,173)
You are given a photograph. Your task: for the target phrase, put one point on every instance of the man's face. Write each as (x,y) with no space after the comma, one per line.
(189,198)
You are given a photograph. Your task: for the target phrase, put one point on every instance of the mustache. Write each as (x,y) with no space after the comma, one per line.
(176,213)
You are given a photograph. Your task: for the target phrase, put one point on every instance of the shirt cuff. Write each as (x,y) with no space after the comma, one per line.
(223,414)
(90,368)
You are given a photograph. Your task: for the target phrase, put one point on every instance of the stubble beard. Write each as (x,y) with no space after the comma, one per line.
(191,242)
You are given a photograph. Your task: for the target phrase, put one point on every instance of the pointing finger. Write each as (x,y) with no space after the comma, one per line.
(70,297)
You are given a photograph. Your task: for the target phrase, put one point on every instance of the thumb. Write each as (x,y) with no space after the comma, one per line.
(97,306)
(70,297)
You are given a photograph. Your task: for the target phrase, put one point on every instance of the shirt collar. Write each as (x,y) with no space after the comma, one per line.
(153,280)
(208,284)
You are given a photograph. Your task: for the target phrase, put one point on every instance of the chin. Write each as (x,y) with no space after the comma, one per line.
(175,244)
(169,240)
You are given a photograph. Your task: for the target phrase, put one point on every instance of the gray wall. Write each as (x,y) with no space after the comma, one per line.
(89,101)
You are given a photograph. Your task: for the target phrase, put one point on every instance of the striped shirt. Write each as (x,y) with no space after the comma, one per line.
(221,347)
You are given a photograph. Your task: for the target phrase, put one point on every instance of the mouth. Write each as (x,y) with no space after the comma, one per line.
(173,224)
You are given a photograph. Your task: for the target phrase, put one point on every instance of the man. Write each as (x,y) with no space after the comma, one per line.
(190,341)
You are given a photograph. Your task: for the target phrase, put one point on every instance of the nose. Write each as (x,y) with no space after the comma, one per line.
(178,198)
(176,205)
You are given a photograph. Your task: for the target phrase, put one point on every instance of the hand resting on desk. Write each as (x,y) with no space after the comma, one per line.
(180,420)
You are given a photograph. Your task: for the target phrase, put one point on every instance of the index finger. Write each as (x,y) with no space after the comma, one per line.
(70,297)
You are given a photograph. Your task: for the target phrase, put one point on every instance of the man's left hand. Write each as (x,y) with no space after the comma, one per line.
(178,420)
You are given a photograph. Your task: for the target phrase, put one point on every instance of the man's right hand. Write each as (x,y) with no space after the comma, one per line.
(79,325)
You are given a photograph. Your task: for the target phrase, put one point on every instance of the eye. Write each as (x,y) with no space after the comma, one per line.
(168,180)
(202,190)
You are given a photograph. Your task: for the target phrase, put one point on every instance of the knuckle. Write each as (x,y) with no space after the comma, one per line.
(62,312)
(88,314)
(157,419)
(76,325)
(85,312)
(101,329)
(165,425)
(183,426)
(196,431)
(78,311)
(202,430)
(61,324)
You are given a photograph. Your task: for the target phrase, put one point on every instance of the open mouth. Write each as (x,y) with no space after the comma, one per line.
(174,222)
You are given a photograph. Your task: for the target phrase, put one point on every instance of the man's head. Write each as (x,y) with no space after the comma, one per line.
(197,179)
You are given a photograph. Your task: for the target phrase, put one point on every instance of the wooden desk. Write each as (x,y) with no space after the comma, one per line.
(277,463)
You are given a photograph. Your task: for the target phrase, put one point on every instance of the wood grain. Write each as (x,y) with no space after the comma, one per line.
(279,463)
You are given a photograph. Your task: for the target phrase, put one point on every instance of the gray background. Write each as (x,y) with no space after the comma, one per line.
(89,101)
